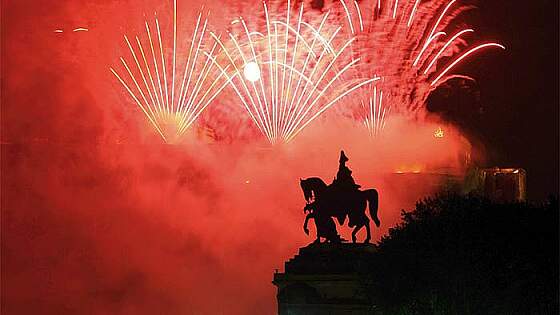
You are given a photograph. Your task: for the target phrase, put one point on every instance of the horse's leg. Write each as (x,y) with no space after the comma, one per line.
(373,200)
(355,231)
(335,236)
(363,221)
(368,230)
(318,231)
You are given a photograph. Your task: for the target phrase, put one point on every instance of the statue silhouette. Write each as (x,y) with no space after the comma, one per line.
(340,199)
(344,179)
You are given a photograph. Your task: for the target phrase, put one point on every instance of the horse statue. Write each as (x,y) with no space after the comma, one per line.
(329,201)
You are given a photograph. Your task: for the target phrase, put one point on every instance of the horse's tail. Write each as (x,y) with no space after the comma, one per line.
(373,202)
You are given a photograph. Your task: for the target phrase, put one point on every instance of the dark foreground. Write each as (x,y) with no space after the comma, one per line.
(450,255)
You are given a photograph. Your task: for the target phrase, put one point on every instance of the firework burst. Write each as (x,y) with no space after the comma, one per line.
(289,65)
(288,69)
(405,43)
(170,86)
(375,112)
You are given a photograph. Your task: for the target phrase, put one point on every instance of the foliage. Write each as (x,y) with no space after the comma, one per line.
(466,255)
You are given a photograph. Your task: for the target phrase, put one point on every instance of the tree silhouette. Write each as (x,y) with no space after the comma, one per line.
(465,255)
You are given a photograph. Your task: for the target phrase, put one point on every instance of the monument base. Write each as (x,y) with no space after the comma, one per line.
(325,279)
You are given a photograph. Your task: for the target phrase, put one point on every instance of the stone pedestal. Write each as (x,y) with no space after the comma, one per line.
(325,279)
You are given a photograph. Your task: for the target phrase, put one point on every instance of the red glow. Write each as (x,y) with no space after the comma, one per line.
(120,223)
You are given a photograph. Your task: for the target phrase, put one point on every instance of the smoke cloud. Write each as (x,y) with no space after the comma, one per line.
(100,217)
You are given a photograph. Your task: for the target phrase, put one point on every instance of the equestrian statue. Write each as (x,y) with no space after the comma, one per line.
(342,198)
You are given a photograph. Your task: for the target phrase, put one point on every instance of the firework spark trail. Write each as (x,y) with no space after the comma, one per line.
(375,117)
(349,16)
(463,56)
(290,69)
(327,45)
(412,13)
(436,57)
(404,43)
(172,114)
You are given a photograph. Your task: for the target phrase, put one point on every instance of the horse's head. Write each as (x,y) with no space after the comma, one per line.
(311,187)
(307,189)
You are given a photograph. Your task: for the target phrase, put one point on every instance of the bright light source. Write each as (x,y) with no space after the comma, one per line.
(251,71)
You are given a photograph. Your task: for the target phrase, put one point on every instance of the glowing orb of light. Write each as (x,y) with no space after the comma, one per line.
(251,71)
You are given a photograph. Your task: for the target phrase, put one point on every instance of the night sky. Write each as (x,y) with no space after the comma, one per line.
(516,115)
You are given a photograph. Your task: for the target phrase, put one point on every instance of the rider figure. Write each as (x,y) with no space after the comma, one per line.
(344,181)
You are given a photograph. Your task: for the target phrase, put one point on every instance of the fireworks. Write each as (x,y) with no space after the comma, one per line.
(404,42)
(289,65)
(288,70)
(170,101)
(375,117)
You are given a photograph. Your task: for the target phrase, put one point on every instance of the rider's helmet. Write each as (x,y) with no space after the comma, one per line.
(343,158)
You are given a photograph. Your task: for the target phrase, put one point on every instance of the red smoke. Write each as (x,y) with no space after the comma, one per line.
(100,217)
